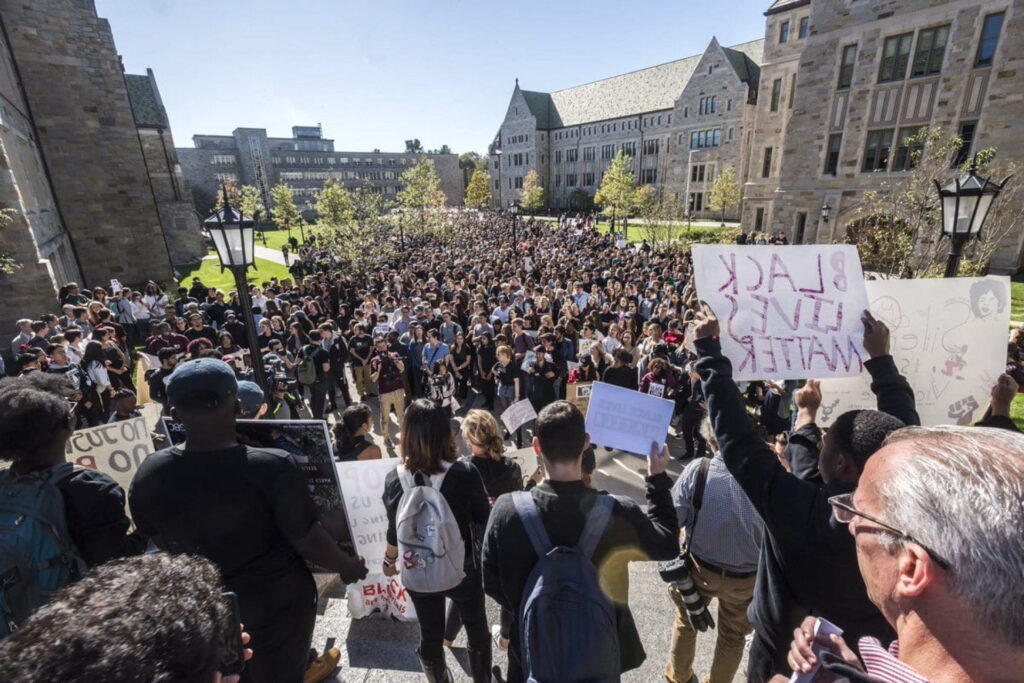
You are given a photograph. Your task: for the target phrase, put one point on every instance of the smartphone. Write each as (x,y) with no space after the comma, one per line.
(233,653)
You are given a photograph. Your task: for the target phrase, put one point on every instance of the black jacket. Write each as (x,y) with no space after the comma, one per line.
(631,535)
(808,561)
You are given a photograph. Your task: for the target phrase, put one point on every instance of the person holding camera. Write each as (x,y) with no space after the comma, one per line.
(387,371)
(723,540)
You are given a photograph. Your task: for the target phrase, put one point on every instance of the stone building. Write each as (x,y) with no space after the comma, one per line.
(681,122)
(73,171)
(304,162)
(868,76)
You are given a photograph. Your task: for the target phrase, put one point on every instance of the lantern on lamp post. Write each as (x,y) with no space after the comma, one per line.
(234,238)
(965,204)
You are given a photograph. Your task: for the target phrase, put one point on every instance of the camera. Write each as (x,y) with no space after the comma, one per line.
(677,573)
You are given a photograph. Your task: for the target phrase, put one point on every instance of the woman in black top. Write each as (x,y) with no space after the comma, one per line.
(485,360)
(351,440)
(428,451)
(462,364)
(544,373)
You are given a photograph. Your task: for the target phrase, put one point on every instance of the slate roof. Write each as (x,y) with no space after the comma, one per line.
(783,5)
(651,89)
(147,109)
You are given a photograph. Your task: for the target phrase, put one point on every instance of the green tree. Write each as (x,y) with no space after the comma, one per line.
(334,205)
(413,146)
(469,162)
(250,202)
(532,198)
(421,189)
(443,149)
(8,264)
(478,192)
(284,213)
(234,195)
(616,194)
(725,192)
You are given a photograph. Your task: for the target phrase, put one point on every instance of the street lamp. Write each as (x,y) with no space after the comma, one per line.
(497,153)
(234,238)
(965,205)
(826,211)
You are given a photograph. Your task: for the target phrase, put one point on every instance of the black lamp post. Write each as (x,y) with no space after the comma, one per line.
(965,205)
(497,153)
(234,238)
(515,219)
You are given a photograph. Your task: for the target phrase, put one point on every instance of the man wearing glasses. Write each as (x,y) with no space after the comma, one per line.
(808,563)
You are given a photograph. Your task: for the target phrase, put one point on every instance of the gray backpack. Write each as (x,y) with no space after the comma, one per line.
(431,551)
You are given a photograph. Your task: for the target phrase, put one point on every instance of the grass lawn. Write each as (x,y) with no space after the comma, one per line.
(278,238)
(1017,410)
(1017,298)
(696,232)
(209,272)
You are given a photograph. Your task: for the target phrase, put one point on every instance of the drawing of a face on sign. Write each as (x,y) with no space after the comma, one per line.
(988,299)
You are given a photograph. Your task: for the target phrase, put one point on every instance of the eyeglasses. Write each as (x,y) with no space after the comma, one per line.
(844,512)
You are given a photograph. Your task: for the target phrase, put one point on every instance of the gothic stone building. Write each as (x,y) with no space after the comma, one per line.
(304,162)
(73,169)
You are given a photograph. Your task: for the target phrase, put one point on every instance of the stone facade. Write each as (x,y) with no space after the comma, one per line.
(77,100)
(304,162)
(953,92)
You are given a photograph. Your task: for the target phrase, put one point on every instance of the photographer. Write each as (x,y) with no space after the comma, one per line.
(387,371)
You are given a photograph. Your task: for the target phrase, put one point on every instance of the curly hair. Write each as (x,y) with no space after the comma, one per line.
(33,408)
(157,618)
(479,428)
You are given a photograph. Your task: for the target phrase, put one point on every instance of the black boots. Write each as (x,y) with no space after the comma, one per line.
(436,672)
(480,666)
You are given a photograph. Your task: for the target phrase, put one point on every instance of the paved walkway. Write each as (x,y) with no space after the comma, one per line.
(274,256)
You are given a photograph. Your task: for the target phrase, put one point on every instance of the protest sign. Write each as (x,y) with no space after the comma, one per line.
(518,414)
(570,366)
(584,346)
(626,419)
(362,489)
(527,459)
(381,330)
(116,449)
(529,358)
(786,312)
(579,395)
(115,286)
(948,338)
(143,364)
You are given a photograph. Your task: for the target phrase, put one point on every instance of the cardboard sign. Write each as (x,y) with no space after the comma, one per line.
(786,312)
(626,419)
(579,395)
(116,449)
(584,346)
(362,489)
(115,286)
(518,414)
(948,338)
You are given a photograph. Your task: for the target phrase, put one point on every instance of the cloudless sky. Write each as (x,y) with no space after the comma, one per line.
(378,73)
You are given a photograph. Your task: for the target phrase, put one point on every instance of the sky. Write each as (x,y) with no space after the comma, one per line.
(375,74)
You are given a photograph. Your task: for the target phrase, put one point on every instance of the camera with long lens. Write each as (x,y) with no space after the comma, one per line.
(677,572)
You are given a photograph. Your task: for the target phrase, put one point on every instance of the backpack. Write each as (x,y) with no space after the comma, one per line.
(37,555)
(567,625)
(430,544)
(306,369)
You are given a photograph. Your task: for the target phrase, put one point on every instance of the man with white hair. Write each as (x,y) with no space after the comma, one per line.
(937,522)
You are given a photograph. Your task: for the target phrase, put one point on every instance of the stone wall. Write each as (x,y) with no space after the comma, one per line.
(76,93)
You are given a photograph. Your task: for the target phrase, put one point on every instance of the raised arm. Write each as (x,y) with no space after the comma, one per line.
(893,392)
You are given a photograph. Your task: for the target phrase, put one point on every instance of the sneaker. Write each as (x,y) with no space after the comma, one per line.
(323,666)
(502,643)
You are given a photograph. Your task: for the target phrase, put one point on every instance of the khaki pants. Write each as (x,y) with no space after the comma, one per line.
(734,596)
(361,375)
(391,399)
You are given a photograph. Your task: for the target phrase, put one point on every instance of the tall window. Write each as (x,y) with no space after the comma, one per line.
(570,180)
(876,150)
(558,156)
(895,57)
(776,93)
(697,173)
(846,67)
(571,155)
(651,147)
(608,152)
(931,49)
(805,26)
(989,39)
(908,150)
(588,153)
(967,132)
(649,175)
(588,179)
(835,144)
(784,32)
(758,220)
(629,149)
(792,90)
(766,165)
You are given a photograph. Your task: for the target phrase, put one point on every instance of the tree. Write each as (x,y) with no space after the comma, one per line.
(615,196)
(234,195)
(533,192)
(334,205)
(469,162)
(443,149)
(284,213)
(896,228)
(413,146)
(8,264)
(725,193)
(421,189)
(478,192)
(250,202)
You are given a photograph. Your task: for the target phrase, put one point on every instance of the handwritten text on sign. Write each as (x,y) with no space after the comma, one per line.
(786,312)
(116,449)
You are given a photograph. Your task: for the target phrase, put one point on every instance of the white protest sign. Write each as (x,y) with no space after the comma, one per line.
(381,330)
(116,449)
(518,414)
(948,338)
(786,312)
(362,490)
(571,365)
(527,459)
(584,346)
(115,286)
(529,358)
(655,389)
(626,419)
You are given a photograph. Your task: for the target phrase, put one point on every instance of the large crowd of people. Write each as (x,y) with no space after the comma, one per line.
(907,538)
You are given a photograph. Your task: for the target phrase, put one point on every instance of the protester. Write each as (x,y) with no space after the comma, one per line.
(151,618)
(387,371)
(563,502)
(428,459)
(351,435)
(257,521)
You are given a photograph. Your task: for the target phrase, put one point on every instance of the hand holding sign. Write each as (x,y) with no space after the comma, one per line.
(876,335)
(705,324)
(657,461)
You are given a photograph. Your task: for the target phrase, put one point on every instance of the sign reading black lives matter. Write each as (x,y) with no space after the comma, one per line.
(786,312)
